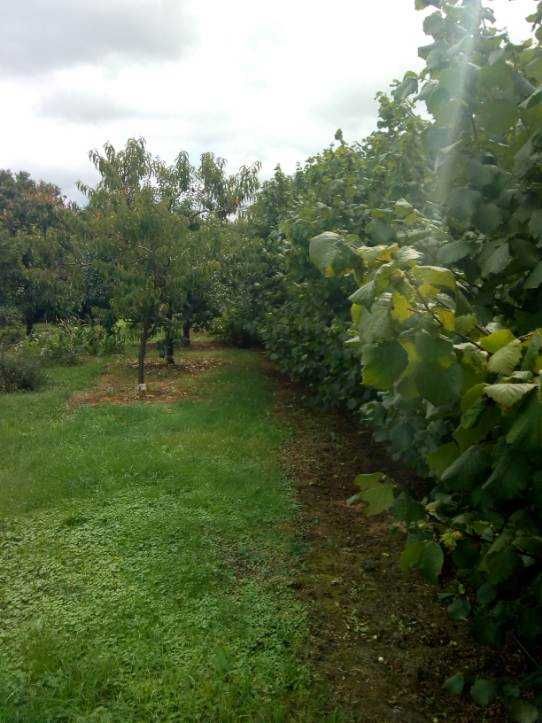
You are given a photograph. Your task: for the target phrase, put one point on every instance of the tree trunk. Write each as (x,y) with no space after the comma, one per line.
(29,326)
(169,341)
(169,348)
(187,325)
(141,357)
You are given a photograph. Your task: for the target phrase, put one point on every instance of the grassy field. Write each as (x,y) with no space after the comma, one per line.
(145,555)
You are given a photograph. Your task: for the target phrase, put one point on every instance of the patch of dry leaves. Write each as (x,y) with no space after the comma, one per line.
(165,383)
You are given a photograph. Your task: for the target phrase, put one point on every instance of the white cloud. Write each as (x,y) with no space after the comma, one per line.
(267,81)
(79,107)
(43,35)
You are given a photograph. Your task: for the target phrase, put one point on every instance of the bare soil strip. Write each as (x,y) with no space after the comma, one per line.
(380,637)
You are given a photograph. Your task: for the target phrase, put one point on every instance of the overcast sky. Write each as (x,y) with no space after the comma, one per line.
(247,79)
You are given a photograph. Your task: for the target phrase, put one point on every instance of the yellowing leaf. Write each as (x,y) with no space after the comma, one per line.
(446,318)
(375,255)
(427,291)
(495,341)
(403,207)
(412,353)
(356,311)
(401,310)
(435,275)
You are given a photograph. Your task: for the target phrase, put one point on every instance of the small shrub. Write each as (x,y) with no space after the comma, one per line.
(115,342)
(20,372)
(11,328)
(53,345)
(10,335)
(67,341)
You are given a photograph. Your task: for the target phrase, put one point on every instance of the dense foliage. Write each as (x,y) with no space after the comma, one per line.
(38,273)
(143,252)
(446,319)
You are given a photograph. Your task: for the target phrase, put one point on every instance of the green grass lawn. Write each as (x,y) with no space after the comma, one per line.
(145,556)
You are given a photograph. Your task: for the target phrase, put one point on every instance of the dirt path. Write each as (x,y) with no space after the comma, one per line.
(379,637)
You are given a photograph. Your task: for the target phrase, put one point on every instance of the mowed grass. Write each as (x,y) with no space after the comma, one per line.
(144,556)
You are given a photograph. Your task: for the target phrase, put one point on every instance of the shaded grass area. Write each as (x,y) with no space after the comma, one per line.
(144,556)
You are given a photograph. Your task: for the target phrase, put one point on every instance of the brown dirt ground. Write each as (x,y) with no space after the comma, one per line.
(380,639)
(165,383)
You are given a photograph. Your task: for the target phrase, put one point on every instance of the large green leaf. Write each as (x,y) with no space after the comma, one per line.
(521,711)
(425,556)
(495,260)
(459,609)
(439,386)
(473,360)
(505,360)
(454,251)
(508,394)
(527,427)
(435,349)
(535,277)
(455,684)
(501,565)
(383,364)
(496,340)
(330,254)
(378,494)
(465,323)
(479,429)
(498,115)
(408,86)
(431,561)
(364,295)
(535,224)
(472,463)
(470,416)
(525,252)
(483,691)
(472,396)
(510,477)
(406,508)
(433,23)
(533,351)
(534,68)
(442,457)
(534,100)
(377,324)
(488,217)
